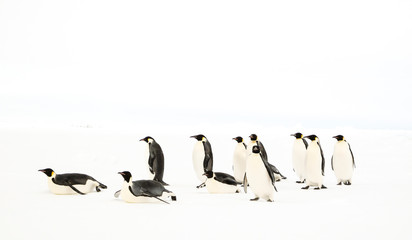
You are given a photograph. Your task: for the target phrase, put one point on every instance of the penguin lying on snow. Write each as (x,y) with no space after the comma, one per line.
(71,183)
(156,159)
(343,162)
(218,182)
(142,190)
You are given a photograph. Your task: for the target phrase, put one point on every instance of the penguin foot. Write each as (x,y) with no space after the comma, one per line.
(270,200)
(347,183)
(324,187)
(300,181)
(254,199)
(237,191)
(307,187)
(201,185)
(174,198)
(98,189)
(317,188)
(340,183)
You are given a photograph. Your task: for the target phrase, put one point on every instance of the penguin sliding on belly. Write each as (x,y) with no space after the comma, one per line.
(343,162)
(202,158)
(142,190)
(315,164)
(299,156)
(239,159)
(259,176)
(156,159)
(218,182)
(71,183)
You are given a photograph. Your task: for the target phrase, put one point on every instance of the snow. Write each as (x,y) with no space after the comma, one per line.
(376,206)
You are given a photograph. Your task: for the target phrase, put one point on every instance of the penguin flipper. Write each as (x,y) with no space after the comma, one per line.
(76,190)
(145,193)
(117,194)
(331,163)
(323,160)
(353,158)
(245,183)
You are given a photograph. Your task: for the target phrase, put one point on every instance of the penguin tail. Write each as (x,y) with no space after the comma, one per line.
(101,185)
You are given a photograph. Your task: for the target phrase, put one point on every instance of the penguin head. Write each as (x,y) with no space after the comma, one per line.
(256,149)
(208,174)
(253,137)
(238,139)
(297,135)
(147,139)
(312,137)
(199,137)
(339,137)
(126,175)
(48,171)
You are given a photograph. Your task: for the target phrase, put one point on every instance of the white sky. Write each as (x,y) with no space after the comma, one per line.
(295,62)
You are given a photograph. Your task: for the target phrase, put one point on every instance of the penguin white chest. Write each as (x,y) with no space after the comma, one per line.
(342,161)
(127,196)
(198,157)
(239,162)
(313,169)
(214,186)
(258,177)
(66,190)
(298,158)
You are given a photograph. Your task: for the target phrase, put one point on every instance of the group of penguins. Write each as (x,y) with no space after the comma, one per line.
(251,168)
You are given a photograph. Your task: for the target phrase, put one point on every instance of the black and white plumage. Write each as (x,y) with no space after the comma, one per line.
(343,161)
(259,176)
(202,157)
(239,159)
(299,156)
(142,190)
(71,183)
(315,164)
(156,159)
(254,141)
(218,182)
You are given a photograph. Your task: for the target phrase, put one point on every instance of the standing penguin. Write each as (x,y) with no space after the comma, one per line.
(239,159)
(259,176)
(343,162)
(298,156)
(315,164)
(218,182)
(202,157)
(156,159)
(142,190)
(71,183)
(255,142)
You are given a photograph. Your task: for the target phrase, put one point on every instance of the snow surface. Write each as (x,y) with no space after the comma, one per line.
(376,206)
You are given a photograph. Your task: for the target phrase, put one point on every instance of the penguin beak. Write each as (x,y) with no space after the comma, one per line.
(141,139)
(42,170)
(293,135)
(336,137)
(121,173)
(193,136)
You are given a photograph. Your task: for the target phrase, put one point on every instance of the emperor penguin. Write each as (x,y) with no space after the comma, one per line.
(218,182)
(239,159)
(343,162)
(259,176)
(156,159)
(142,190)
(71,183)
(298,156)
(315,164)
(202,157)
(254,141)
